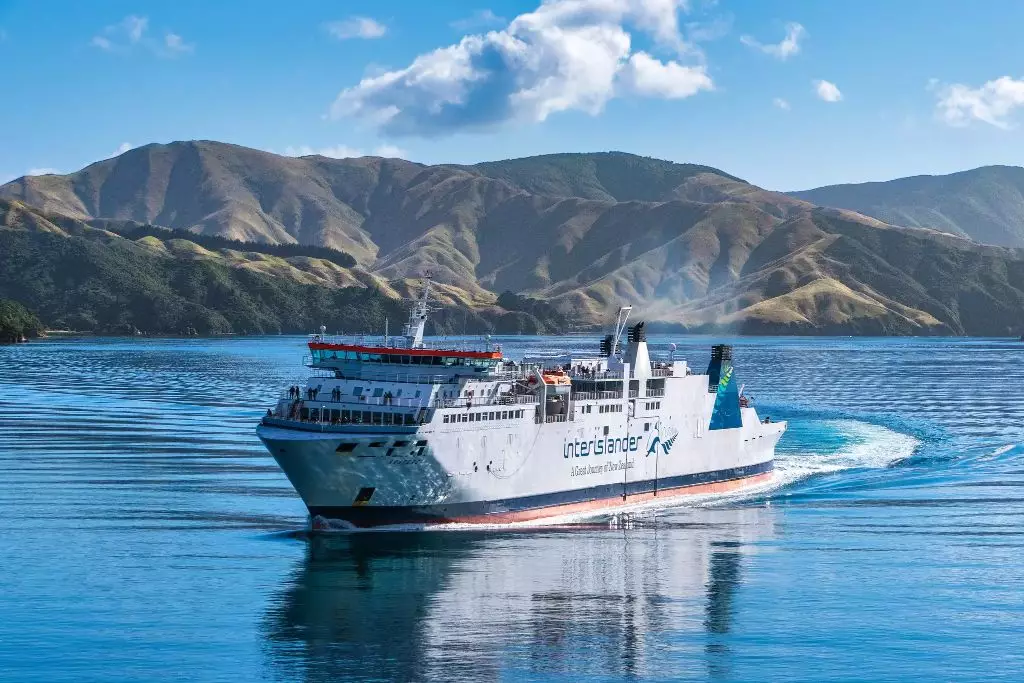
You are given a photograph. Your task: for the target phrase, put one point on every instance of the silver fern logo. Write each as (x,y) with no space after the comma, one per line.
(664,437)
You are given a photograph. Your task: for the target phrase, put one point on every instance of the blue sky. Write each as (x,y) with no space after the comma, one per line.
(787,95)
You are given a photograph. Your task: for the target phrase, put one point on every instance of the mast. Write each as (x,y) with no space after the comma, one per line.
(620,325)
(418,318)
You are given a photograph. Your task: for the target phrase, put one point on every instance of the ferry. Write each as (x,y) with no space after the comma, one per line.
(396,432)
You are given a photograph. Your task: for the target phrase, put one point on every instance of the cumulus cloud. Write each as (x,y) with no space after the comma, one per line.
(647,76)
(789,46)
(344,151)
(991,102)
(132,32)
(483,18)
(565,55)
(390,151)
(356,27)
(122,148)
(334,152)
(781,104)
(174,44)
(827,91)
(43,171)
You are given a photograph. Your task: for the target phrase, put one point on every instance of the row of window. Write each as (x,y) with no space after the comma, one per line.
(379,391)
(368,417)
(480,417)
(653,405)
(320,355)
(607,408)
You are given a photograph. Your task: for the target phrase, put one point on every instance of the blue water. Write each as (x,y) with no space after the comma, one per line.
(147,536)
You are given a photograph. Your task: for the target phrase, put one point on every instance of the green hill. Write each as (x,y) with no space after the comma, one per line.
(608,176)
(82,278)
(985,204)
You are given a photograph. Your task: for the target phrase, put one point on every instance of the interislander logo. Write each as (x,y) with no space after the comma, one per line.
(666,443)
(601,446)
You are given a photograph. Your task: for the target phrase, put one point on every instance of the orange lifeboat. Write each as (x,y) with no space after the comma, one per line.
(556,377)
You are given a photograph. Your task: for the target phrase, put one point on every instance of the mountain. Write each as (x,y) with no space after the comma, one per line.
(79,277)
(692,247)
(985,204)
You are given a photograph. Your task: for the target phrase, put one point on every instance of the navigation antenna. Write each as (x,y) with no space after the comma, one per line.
(418,317)
(620,325)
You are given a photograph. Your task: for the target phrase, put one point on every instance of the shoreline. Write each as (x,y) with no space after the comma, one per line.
(73,334)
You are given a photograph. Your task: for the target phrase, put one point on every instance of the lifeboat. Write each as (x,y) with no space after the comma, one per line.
(556,377)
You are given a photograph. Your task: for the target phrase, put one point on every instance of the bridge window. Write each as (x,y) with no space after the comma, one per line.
(358,391)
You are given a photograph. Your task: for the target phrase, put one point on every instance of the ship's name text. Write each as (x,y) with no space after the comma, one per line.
(582,449)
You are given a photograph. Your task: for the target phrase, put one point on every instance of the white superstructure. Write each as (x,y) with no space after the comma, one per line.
(398,432)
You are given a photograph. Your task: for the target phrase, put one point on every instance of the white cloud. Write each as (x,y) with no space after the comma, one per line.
(482,18)
(565,55)
(990,103)
(781,104)
(390,151)
(43,171)
(132,32)
(134,27)
(334,152)
(789,46)
(122,148)
(356,27)
(345,152)
(175,45)
(645,75)
(827,91)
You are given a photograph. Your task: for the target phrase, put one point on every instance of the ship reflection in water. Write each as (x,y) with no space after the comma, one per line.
(555,603)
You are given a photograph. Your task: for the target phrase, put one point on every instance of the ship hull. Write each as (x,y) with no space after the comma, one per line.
(512,474)
(537,508)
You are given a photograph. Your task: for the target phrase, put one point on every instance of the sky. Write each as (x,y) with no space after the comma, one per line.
(785,94)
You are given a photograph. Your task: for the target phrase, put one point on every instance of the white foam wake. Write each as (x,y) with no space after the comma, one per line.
(865,446)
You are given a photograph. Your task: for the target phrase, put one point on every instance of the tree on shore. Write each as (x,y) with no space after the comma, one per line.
(17,322)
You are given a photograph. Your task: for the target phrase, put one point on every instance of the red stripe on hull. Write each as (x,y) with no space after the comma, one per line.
(485,355)
(605,503)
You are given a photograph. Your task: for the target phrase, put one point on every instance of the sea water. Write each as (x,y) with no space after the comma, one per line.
(146,535)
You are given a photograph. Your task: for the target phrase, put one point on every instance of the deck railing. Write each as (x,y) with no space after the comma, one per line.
(596,395)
